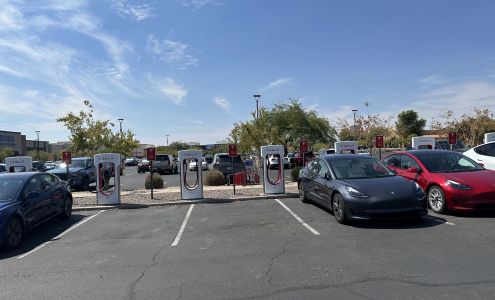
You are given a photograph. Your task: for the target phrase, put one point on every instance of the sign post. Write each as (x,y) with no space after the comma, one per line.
(67,158)
(303,148)
(232,154)
(379,144)
(452,139)
(151,156)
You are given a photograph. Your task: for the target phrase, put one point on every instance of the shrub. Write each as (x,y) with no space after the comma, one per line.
(157,182)
(214,177)
(294,173)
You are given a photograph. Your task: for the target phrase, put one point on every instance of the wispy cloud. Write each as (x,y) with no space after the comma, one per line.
(173,52)
(171,89)
(222,102)
(198,4)
(276,84)
(137,12)
(432,80)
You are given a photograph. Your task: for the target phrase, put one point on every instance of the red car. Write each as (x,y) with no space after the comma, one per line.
(143,166)
(451,180)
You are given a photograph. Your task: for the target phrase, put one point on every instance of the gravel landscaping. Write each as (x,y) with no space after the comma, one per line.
(167,195)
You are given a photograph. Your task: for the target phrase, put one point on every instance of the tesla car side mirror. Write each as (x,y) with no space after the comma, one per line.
(413,170)
(327,176)
(481,164)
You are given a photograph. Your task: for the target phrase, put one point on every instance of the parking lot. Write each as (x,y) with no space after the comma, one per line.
(263,249)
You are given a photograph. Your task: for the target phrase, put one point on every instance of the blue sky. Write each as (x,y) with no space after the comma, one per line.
(189,68)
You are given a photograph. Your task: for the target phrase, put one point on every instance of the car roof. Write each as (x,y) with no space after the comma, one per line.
(427,151)
(332,157)
(81,158)
(20,175)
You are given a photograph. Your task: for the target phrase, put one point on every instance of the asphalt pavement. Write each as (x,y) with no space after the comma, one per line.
(263,249)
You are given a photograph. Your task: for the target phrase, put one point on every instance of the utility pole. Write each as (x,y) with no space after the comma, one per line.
(257,98)
(354,111)
(167,139)
(38,145)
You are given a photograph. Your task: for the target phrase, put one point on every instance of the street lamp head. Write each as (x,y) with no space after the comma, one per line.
(256,97)
(120,120)
(354,110)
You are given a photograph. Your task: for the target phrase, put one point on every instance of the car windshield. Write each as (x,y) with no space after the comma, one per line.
(9,188)
(359,168)
(224,158)
(162,157)
(447,162)
(75,164)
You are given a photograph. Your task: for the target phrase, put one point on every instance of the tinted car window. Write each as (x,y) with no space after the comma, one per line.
(33,185)
(225,158)
(447,162)
(46,181)
(408,162)
(322,169)
(313,166)
(359,168)
(9,188)
(488,149)
(162,158)
(2,168)
(393,160)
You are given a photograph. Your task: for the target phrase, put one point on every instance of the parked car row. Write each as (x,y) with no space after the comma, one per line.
(403,185)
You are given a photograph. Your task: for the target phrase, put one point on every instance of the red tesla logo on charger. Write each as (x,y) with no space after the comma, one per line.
(379,141)
(67,157)
(232,150)
(303,146)
(150,154)
(452,138)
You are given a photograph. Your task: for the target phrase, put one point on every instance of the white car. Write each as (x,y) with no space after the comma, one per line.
(193,165)
(483,154)
(273,162)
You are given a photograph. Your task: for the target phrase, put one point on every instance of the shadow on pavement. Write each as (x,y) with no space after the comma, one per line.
(41,234)
(490,214)
(400,223)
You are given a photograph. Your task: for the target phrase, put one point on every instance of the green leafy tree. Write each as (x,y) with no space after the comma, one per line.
(43,156)
(6,152)
(365,130)
(89,136)
(408,123)
(284,123)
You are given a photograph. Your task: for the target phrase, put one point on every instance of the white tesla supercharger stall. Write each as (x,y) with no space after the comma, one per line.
(489,137)
(270,186)
(346,147)
(423,142)
(195,190)
(19,164)
(107,166)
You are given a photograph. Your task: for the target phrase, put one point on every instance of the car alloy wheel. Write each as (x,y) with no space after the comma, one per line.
(436,200)
(338,208)
(13,233)
(302,193)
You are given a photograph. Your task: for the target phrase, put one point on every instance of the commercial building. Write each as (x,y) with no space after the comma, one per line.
(14,141)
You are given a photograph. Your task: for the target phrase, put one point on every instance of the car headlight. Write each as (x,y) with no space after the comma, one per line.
(355,193)
(456,185)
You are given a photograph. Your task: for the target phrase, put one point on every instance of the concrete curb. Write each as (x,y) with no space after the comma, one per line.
(184,202)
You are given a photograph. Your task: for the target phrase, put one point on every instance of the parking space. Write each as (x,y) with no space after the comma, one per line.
(252,250)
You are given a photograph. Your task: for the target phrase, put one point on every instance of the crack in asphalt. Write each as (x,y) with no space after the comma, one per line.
(132,287)
(179,294)
(279,254)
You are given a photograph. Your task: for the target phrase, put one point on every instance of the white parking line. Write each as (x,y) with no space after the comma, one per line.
(60,235)
(298,218)
(183,226)
(437,220)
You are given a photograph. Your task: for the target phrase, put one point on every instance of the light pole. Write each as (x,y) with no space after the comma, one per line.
(257,98)
(38,145)
(354,111)
(120,121)
(167,139)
